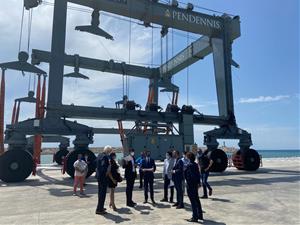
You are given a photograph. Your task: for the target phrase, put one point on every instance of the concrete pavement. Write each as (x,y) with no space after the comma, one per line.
(269,196)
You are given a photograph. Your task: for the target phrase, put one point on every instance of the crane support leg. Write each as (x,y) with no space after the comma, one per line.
(56,69)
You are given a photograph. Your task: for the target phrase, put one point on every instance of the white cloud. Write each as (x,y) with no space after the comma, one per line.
(264,99)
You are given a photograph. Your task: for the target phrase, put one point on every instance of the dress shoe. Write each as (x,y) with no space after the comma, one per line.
(210,192)
(192,220)
(130,205)
(145,202)
(164,200)
(204,197)
(175,204)
(153,202)
(102,212)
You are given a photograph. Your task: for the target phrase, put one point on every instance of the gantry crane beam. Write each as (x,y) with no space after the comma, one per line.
(191,54)
(151,11)
(102,113)
(110,66)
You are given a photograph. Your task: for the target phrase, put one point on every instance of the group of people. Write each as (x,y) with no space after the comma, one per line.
(179,173)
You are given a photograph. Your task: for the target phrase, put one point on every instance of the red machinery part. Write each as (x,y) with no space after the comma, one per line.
(237,160)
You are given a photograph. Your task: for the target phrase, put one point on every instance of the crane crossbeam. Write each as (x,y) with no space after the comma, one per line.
(110,66)
(102,113)
(165,15)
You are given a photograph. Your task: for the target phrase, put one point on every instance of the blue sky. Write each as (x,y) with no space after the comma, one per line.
(266,87)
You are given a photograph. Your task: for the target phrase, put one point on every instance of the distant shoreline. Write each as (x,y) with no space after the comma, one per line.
(51,151)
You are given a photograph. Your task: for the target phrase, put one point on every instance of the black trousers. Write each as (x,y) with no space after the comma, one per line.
(166,187)
(102,188)
(141,178)
(148,183)
(129,189)
(179,192)
(192,192)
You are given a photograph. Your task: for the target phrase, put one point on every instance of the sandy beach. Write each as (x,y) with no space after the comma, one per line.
(269,196)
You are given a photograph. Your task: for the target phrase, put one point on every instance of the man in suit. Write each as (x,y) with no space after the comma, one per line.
(102,178)
(148,167)
(178,177)
(192,176)
(130,175)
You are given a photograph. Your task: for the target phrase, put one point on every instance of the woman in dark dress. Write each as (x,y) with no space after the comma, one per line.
(114,178)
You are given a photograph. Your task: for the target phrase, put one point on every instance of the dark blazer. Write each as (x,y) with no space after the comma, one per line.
(129,174)
(102,163)
(148,165)
(192,175)
(178,175)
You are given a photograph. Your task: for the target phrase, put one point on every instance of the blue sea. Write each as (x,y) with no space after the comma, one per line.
(279,153)
(48,159)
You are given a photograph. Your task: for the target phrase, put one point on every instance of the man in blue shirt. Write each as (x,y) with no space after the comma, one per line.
(139,163)
(148,167)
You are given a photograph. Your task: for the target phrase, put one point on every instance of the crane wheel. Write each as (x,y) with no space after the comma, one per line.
(237,160)
(220,160)
(251,160)
(15,166)
(59,155)
(247,159)
(72,157)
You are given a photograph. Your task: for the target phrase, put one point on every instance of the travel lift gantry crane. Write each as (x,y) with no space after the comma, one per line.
(154,129)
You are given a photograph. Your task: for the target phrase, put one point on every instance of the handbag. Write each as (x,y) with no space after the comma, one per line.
(119,178)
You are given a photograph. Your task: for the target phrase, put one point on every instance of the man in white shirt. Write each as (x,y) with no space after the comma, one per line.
(169,164)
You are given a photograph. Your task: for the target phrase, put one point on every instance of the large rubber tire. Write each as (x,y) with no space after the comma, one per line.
(251,160)
(15,166)
(72,157)
(220,160)
(30,149)
(59,155)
